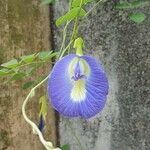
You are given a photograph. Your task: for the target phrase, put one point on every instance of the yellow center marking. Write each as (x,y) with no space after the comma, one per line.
(78,93)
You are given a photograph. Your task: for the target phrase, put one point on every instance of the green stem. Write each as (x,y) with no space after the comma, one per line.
(65,32)
(75,28)
(92,8)
(65,50)
(64,36)
(47,145)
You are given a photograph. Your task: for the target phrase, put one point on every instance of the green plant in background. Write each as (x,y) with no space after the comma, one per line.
(136,17)
(25,66)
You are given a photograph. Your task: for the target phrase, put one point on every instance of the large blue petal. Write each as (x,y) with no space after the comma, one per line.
(59,88)
(97,89)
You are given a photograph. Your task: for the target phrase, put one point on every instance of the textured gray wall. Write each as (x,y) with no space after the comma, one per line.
(123,48)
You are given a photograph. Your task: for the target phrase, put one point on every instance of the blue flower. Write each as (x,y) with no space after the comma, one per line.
(78,86)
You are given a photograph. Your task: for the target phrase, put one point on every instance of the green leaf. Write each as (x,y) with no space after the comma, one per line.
(44,55)
(76,3)
(43,103)
(137,17)
(65,147)
(29,70)
(28,84)
(18,76)
(132,5)
(46,2)
(5,72)
(28,58)
(10,64)
(73,13)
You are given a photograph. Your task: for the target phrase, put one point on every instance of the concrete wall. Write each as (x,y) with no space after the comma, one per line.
(24,29)
(123,48)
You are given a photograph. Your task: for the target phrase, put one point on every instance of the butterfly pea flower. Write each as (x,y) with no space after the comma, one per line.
(78,86)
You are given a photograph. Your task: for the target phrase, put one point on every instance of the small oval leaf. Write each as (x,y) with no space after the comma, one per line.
(44,55)
(10,64)
(18,76)
(131,5)
(28,58)
(5,72)
(28,84)
(73,13)
(137,17)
